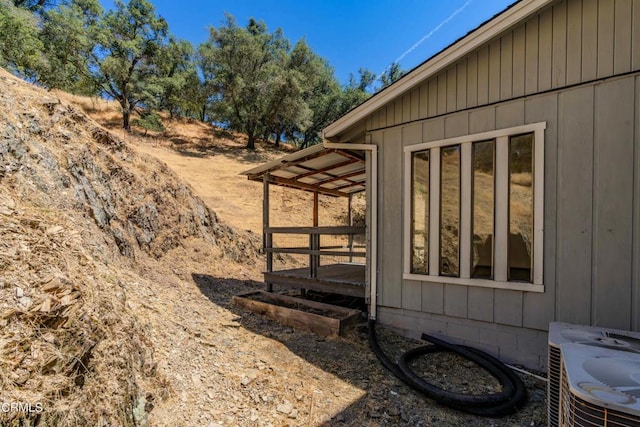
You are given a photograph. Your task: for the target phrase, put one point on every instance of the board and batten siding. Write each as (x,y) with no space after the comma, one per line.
(592,223)
(567,43)
(576,66)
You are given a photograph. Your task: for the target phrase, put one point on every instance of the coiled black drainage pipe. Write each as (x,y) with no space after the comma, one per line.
(510,399)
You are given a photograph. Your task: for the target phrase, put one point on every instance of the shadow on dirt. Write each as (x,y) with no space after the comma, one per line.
(387,400)
(342,357)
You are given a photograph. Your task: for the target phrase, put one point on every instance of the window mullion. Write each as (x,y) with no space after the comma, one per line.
(501,222)
(434,211)
(408,209)
(538,206)
(465,210)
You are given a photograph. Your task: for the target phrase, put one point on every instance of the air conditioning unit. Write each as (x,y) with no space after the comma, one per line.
(566,397)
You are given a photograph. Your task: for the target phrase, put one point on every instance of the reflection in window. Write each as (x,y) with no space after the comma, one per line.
(520,207)
(420,212)
(450,211)
(482,205)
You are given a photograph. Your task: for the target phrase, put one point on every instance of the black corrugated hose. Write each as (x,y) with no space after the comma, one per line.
(512,397)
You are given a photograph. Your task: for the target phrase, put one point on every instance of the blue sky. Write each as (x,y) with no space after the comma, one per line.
(349,34)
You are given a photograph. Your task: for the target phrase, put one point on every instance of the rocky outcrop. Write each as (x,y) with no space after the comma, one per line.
(56,153)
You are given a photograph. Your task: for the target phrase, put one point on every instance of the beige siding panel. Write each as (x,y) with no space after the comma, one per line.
(391,238)
(589,40)
(374,119)
(635,42)
(636,213)
(399,105)
(480,305)
(574,42)
(411,134)
(575,205)
(433,96)
(433,130)
(456,125)
(406,108)
(423,107)
(455,300)
(380,119)
(606,24)
(510,114)
(622,37)
(531,55)
(461,85)
(538,308)
(506,66)
(545,47)
(411,295)
(371,121)
(613,204)
(399,318)
(391,113)
(414,107)
(509,343)
(452,82)
(559,53)
(472,80)
(519,52)
(433,297)
(508,307)
(442,92)
(482,120)
(413,98)
(483,75)
(494,71)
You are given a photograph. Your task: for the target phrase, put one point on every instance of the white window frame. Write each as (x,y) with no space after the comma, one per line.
(501,207)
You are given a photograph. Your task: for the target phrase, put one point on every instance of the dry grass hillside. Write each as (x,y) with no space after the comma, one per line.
(211,160)
(116,277)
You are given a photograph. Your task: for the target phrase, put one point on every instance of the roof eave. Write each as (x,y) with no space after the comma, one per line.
(438,62)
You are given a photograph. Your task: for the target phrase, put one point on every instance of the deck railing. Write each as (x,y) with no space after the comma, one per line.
(346,245)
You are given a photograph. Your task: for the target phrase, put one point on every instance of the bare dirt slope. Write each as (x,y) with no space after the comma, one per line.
(211,160)
(115,282)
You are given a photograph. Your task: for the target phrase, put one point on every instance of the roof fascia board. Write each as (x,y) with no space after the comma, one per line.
(448,56)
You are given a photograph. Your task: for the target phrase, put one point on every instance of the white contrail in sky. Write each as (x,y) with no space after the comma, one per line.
(427,36)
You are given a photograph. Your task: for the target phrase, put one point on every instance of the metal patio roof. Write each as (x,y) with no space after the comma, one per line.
(317,169)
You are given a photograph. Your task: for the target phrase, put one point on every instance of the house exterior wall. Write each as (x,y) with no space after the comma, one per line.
(567,43)
(574,65)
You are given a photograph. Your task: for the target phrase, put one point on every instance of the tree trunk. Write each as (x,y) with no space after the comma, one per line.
(251,141)
(203,112)
(277,143)
(126,114)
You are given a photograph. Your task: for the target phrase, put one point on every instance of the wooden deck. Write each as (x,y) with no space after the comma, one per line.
(342,279)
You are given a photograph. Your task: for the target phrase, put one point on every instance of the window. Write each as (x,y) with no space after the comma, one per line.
(420,212)
(483,198)
(475,209)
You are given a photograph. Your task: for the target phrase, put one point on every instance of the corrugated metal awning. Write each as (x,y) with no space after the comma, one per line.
(317,169)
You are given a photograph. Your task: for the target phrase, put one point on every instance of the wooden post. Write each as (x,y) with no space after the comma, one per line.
(267,238)
(314,240)
(350,213)
(315,209)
